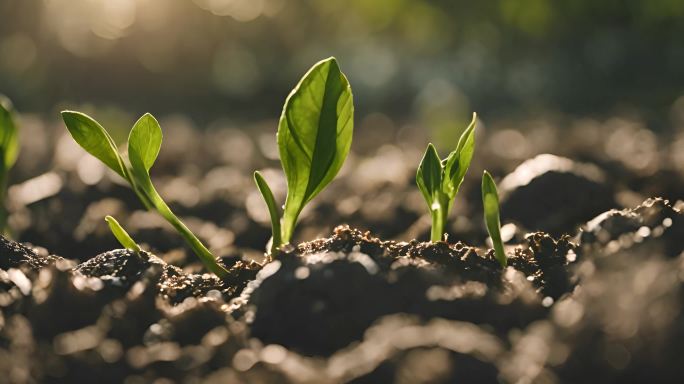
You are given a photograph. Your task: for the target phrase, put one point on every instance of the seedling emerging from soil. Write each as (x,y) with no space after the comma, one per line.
(439,180)
(121,235)
(314,137)
(490,202)
(144,142)
(9,150)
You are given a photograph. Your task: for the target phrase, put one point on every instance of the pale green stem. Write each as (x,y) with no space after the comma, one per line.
(288,226)
(440,216)
(200,250)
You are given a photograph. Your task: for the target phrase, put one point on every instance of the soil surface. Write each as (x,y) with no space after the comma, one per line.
(593,292)
(602,306)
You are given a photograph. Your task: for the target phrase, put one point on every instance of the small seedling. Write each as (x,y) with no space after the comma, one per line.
(144,143)
(490,202)
(439,180)
(314,137)
(9,150)
(121,235)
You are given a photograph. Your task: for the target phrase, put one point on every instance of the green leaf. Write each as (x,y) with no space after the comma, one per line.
(458,161)
(429,175)
(314,136)
(9,142)
(490,202)
(90,135)
(144,143)
(121,235)
(265,191)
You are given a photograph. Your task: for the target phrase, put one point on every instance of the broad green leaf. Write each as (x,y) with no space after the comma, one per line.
(429,175)
(265,191)
(144,143)
(314,135)
(490,202)
(9,142)
(457,163)
(90,135)
(121,235)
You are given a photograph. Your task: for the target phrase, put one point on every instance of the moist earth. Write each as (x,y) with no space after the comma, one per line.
(603,305)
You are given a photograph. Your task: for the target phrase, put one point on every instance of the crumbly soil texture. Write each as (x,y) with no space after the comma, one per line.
(601,305)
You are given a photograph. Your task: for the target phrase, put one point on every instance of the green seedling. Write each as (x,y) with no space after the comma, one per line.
(490,202)
(144,143)
(439,180)
(121,235)
(314,137)
(9,150)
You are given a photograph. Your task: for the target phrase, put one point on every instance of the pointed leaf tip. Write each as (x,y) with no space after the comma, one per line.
(92,137)
(121,235)
(144,143)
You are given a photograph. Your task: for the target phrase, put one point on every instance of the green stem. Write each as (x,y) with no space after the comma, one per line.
(440,216)
(149,205)
(288,226)
(200,250)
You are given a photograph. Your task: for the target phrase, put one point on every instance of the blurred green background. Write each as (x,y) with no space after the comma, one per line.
(427,61)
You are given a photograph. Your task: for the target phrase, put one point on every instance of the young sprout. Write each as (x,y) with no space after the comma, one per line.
(121,235)
(439,180)
(314,137)
(144,142)
(9,150)
(490,202)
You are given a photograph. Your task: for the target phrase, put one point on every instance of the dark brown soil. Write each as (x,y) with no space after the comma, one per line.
(605,307)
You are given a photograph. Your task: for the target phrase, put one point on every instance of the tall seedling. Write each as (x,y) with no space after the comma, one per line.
(314,137)
(144,143)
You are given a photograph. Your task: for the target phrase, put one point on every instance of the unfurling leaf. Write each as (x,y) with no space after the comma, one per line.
(490,202)
(458,161)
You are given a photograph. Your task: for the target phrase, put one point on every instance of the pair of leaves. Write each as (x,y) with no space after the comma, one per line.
(437,177)
(490,203)
(144,143)
(314,138)
(9,141)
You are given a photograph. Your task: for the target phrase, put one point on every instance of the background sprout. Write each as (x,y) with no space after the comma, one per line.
(314,137)
(490,202)
(9,150)
(439,180)
(144,143)
(121,235)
